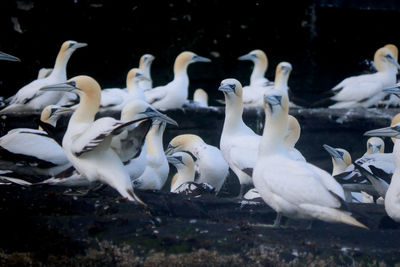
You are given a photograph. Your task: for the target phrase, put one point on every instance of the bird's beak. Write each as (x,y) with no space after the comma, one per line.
(153,113)
(387,131)
(394,62)
(66,87)
(174,160)
(200,59)
(374,149)
(141,77)
(226,88)
(79,45)
(393,90)
(7,57)
(333,152)
(170,150)
(62,110)
(245,57)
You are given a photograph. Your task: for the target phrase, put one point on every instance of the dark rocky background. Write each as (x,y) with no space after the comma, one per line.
(325,41)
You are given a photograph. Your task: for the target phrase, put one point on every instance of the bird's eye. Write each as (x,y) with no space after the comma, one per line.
(379,147)
(232,86)
(71,45)
(369,145)
(341,153)
(254,56)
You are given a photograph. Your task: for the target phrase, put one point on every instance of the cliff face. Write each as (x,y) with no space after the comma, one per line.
(325,41)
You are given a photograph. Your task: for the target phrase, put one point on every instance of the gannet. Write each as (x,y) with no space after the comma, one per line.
(291,138)
(175,93)
(238,142)
(87,141)
(375,145)
(252,94)
(44,72)
(7,57)
(129,144)
(156,173)
(392,197)
(366,90)
(33,152)
(115,98)
(183,180)
(295,189)
(392,100)
(145,66)
(30,98)
(210,165)
(200,97)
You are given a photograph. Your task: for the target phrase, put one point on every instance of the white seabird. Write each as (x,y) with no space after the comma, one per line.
(31,151)
(8,57)
(295,189)
(183,180)
(145,66)
(238,142)
(367,90)
(375,145)
(87,141)
(156,172)
(200,97)
(210,165)
(174,94)
(116,99)
(30,98)
(392,197)
(252,94)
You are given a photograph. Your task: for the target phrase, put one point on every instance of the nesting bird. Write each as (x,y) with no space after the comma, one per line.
(367,90)
(295,189)
(210,165)
(30,97)
(174,94)
(87,141)
(31,151)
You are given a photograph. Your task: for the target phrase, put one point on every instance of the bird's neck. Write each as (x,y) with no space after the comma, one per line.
(185,174)
(273,134)
(233,114)
(260,67)
(135,90)
(154,144)
(281,82)
(87,109)
(60,67)
(180,69)
(338,167)
(145,68)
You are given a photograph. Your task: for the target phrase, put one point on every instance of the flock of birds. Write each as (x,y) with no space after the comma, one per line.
(127,153)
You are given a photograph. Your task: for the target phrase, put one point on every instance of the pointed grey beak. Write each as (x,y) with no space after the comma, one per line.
(170,150)
(141,77)
(7,57)
(273,100)
(226,88)
(175,160)
(66,87)
(79,45)
(374,149)
(333,152)
(246,57)
(159,116)
(62,110)
(394,62)
(387,131)
(200,59)
(393,90)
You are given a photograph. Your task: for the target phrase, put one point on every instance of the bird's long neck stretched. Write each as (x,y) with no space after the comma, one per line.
(60,67)
(154,143)
(274,133)
(134,89)
(233,113)
(281,81)
(180,68)
(260,67)
(88,107)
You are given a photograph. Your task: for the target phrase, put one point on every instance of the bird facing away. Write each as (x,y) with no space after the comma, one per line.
(174,94)
(295,189)
(200,97)
(87,141)
(145,65)
(30,97)
(210,165)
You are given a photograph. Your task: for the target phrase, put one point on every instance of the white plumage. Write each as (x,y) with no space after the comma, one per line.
(30,98)
(174,94)
(210,165)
